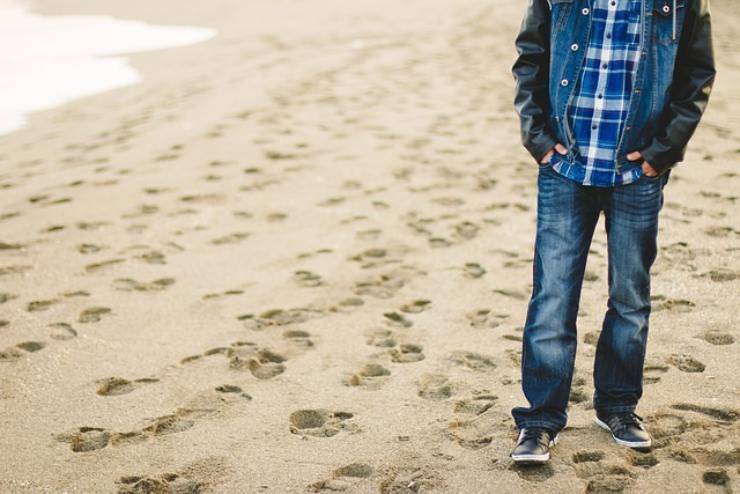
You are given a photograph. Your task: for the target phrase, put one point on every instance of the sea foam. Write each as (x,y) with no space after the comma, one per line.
(49,60)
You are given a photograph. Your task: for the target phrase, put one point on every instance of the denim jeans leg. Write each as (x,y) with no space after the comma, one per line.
(567,213)
(632,228)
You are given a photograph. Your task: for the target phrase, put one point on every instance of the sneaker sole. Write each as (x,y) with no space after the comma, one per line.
(622,442)
(535,459)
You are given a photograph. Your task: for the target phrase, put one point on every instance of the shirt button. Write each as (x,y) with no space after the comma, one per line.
(600,96)
(593,127)
(613,3)
(574,46)
(603,66)
(585,11)
(608,35)
(666,9)
(564,82)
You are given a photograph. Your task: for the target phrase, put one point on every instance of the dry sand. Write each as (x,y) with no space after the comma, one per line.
(298,257)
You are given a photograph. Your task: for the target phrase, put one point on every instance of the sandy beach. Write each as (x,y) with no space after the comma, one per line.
(297,258)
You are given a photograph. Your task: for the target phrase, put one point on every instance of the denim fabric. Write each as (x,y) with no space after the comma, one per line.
(602,95)
(567,214)
(570,34)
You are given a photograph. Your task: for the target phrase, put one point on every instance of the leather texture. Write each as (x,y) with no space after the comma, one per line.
(626,427)
(533,442)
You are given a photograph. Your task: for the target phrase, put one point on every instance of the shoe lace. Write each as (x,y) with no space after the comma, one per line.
(534,433)
(624,420)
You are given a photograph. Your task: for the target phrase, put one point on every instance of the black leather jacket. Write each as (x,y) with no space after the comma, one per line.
(664,138)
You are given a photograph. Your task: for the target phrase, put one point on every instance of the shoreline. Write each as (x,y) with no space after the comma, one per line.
(59,49)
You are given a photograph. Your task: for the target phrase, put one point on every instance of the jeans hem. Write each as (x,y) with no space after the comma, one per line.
(539,423)
(606,410)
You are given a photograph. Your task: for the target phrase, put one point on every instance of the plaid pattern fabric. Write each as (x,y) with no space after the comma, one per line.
(602,95)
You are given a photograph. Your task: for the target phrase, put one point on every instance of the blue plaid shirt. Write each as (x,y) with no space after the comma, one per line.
(601,99)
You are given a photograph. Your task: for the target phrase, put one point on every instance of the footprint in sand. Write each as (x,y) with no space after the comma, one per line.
(344,478)
(89,248)
(373,258)
(436,387)
(383,286)
(409,479)
(371,376)
(642,459)
(113,386)
(485,319)
(307,279)
(578,395)
(673,305)
(407,353)
(416,306)
(85,439)
(471,434)
(164,483)
(473,270)
(616,479)
(722,274)
(128,285)
(93,314)
(321,423)
(278,317)
(232,388)
(533,473)
(479,403)
(97,266)
(202,475)
(151,257)
(224,294)
(261,362)
(62,331)
(603,476)
(40,305)
(230,239)
(722,414)
(653,373)
(511,293)
(585,456)
(665,426)
(14,269)
(202,406)
(381,338)
(299,338)
(473,361)
(397,320)
(717,476)
(16,352)
(715,337)
(685,363)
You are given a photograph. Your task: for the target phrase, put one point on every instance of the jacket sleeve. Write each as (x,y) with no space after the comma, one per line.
(531,72)
(692,83)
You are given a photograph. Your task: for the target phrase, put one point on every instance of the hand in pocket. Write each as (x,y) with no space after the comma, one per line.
(558,147)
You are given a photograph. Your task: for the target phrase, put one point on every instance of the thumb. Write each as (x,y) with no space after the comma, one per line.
(634,155)
(560,148)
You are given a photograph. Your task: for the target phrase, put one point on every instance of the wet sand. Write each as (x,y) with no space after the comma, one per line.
(297,258)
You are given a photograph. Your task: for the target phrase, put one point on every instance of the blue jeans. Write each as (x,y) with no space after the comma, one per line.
(567,214)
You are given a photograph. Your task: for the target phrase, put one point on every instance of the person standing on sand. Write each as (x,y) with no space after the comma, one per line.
(608,92)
